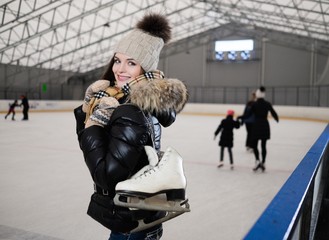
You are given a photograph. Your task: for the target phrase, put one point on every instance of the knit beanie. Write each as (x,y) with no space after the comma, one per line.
(145,42)
(260,93)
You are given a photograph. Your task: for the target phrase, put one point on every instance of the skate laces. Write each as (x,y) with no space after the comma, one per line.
(149,171)
(155,168)
(152,169)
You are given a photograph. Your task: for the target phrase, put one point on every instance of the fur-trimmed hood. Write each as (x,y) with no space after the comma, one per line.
(159,95)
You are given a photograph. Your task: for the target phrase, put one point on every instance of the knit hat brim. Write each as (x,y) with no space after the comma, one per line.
(142,47)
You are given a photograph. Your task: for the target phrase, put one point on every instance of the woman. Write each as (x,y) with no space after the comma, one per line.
(249,120)
(261,127)
(115,135)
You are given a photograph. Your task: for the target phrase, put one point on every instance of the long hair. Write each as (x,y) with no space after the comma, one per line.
(108,73)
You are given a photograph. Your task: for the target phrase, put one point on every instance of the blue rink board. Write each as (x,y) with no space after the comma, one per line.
(279,217)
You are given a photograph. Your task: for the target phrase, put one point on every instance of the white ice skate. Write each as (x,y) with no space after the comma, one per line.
(159,188)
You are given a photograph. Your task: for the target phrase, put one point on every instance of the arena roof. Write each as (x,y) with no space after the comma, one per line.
(78,35)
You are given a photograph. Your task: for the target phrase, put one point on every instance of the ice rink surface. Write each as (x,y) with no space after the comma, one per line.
(45,186)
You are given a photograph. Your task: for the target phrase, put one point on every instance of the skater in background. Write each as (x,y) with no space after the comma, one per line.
(26,106)
(11,110)
(248,121)
(261,128)
(226,137)
(114,136)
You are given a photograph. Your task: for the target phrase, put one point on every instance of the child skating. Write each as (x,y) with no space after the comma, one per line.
(11,110)
(226,138)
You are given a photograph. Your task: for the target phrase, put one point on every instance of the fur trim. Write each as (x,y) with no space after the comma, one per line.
(159,95)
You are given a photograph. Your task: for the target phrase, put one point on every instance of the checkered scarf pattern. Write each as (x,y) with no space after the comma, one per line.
(119,93)
(148,76)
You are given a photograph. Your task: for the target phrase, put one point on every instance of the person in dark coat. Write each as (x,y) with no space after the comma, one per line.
(26,106)
(226,138)
(261,127)
(113,136)
(114,152)
(248,121)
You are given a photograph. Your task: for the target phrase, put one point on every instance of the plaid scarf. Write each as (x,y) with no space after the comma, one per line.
(148,76)
(118,93)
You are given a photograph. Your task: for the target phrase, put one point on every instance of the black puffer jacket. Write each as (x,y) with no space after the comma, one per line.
(116,152)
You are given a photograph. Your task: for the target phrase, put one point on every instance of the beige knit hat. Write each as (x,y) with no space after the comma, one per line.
(146,41)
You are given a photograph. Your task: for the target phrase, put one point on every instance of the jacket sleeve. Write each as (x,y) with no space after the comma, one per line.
(219,128)
(115,152)
(80,117)
(236,124)
(166,117)
(274,114)
(247,113)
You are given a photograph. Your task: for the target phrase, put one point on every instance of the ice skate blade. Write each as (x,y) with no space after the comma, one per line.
(172,194)
(155,203)
(169,215)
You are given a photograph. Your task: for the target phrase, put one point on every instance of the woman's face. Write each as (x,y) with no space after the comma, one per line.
(125,69)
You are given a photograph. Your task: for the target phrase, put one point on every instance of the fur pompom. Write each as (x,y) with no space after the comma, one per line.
(156,25)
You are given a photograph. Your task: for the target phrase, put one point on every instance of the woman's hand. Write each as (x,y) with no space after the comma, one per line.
(102,114)
(91,91)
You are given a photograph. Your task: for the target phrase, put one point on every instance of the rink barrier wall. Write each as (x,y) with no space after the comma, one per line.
(298,209)
(293,112)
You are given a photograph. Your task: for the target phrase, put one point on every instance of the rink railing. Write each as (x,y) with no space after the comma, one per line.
(294,211)
(315,96)
(310,96)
